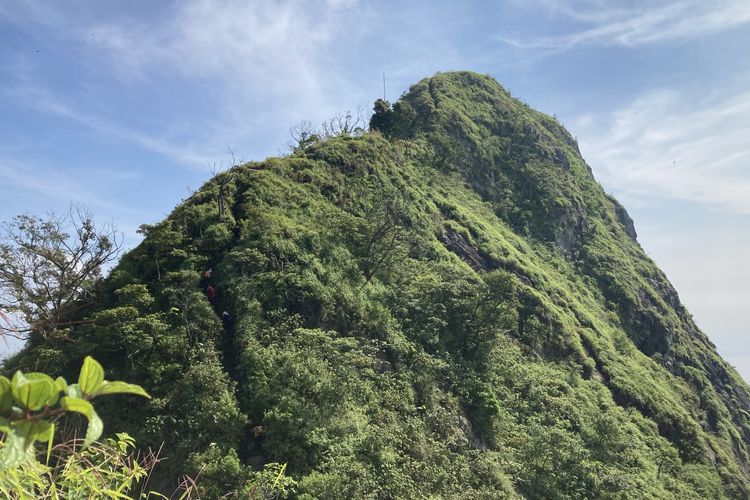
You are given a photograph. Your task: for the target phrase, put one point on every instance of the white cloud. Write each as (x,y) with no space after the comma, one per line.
(37,187)
(691,147)
(254,51)
(631,24)
(50,184)
(45,101)
(674,145)
(239,69)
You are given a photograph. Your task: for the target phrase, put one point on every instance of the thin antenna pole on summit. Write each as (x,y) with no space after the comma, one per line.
(384,85)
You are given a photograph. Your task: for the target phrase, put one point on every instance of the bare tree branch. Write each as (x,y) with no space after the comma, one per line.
(344,124)
(302,136)
(224,177)
(49,269)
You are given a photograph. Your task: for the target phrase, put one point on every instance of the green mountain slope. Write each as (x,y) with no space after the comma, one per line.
(448,306)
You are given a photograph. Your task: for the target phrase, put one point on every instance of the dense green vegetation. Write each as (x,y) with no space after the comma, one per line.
(446,306)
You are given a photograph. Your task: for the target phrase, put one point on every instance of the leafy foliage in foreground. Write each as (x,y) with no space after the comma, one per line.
(31,403)
(447,306)
(31,406)
(102,470)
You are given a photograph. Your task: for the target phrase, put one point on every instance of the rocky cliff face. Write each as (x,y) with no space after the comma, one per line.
(449,305)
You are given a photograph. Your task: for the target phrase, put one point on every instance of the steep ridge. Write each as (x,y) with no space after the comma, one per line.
(449,305)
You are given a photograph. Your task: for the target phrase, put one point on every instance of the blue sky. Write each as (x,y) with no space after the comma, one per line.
(123,105)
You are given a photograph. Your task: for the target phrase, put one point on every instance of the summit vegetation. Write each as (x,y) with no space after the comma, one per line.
(447,305)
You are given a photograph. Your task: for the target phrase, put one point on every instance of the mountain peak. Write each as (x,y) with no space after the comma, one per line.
(449,305)
(521,160)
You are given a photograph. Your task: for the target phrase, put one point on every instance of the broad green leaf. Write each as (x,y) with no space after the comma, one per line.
(61,384)
(94,429)
(42,431)
(117,387)
(6,394)
(91,376)
(4,425)
(14,450)
(54,393)
(33,390)
(74,391)
(17,447)
(77,405)
(33,430)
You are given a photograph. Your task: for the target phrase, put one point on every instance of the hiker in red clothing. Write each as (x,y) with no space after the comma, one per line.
(211,294)
(205,281)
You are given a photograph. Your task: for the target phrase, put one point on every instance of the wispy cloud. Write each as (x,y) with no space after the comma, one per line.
(46,101)
(611,23)
(672,144)
(282,51)
(49,183)
(239,69)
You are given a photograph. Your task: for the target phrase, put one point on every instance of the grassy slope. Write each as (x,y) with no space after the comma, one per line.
(511,339)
